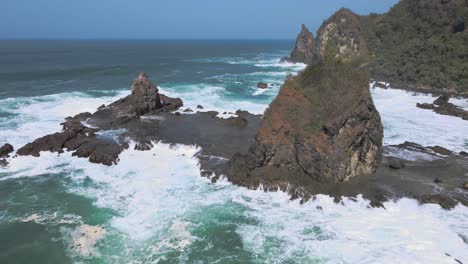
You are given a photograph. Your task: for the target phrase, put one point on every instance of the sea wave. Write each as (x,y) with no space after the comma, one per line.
(164,208)
(403,121)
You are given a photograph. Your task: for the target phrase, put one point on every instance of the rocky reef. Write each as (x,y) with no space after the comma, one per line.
(418,45)
(442,106)
(312,140)
(144,116)
(81,133)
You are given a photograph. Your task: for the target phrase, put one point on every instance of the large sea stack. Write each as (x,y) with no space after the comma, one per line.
(322,127)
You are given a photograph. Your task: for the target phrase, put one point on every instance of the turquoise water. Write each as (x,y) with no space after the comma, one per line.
(154,207)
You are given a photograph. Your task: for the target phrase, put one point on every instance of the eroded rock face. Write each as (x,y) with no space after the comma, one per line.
(323,126)
(304,51)
(342,32)
(145,91)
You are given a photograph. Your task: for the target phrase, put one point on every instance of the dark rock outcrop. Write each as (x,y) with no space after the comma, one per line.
(5,150)
(262,85)
(459,26)
(425,106)
(322,126)
(83,140)
(442,106)
(77,138)
(395,163)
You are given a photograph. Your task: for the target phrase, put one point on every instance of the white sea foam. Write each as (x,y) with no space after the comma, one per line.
(41,115)
(461,102)
(403,121)
(259,91)
(156,192)
(352,232)
(212,98)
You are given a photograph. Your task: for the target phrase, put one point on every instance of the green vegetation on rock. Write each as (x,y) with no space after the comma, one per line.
(423,44)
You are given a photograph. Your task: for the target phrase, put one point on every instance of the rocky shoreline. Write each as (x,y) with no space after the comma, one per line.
(442,106)
(437,176)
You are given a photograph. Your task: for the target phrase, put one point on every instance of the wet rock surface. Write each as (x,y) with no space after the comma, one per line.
(5,150)
(442,106)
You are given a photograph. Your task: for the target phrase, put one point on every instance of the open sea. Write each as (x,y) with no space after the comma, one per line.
(154,207)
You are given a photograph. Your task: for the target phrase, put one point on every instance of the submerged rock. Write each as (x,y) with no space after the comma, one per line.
(323,126)
(395,163)
(262,85)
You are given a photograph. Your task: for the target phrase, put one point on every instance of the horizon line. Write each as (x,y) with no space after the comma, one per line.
(153,39)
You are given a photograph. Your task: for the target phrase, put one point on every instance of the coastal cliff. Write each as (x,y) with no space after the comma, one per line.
(418,45)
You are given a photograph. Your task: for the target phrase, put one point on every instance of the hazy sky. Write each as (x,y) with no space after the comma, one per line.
(171,19)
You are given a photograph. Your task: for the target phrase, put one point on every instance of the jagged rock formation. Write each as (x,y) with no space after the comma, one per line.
(82,140)
(322,126)
(418,45)
(442,106)
(341,32)
(145,95)
(77,138)
(144,99)
(304,51)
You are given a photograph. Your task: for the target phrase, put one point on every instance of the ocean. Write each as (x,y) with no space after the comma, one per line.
(154,206)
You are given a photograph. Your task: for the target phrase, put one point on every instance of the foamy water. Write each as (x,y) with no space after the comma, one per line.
(403,121)
(160,199)
(164,210)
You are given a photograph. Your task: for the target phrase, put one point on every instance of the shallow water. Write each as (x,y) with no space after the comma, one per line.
(154,207)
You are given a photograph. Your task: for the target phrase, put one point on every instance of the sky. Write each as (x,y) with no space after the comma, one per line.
(170,19)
